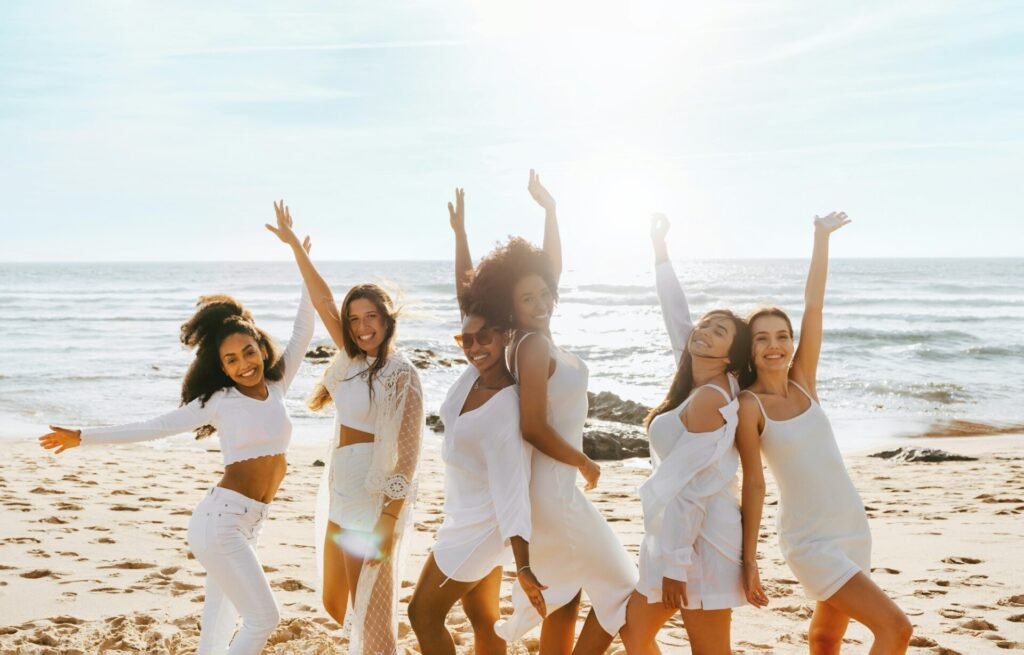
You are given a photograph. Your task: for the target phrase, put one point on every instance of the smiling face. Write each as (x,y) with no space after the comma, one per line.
(532,303)
(487,349)
(367,325)
(241,357)
(772,343)
(712,337)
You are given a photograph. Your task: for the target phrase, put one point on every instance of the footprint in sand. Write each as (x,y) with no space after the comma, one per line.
(66,620)
(290,584)
(129,564)
(104,540)
(21,540)
(36,574)
(1016,618)
(45,490)
(1013,601)
(882,569)
(961,560)
(952,613)
(123,508)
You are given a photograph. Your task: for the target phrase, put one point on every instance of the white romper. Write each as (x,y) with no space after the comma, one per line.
(822,526)
(487,481)
(693,529)
(573,547)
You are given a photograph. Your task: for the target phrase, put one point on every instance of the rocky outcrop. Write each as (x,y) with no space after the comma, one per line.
(423,358)
(906,454)
(608,440)
(609,407)
(321,353)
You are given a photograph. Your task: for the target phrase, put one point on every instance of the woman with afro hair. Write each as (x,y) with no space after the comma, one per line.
(572,547)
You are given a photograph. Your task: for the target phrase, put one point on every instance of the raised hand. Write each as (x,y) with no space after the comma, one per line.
(457,212)
(830,223)
(540,194)
(61,439)
(283,229)
(659,227)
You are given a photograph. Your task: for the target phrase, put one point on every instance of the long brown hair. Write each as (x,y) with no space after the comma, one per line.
(682,383)
(749,376)
(217,317)
(382,301)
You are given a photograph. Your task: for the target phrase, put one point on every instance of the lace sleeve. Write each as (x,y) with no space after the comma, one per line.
(399,482)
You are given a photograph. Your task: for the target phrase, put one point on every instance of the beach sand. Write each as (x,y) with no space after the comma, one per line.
(93,556)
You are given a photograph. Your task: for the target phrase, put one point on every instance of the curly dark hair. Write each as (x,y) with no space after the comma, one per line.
(682,383)
(380,298)
(489,293)
(217,317)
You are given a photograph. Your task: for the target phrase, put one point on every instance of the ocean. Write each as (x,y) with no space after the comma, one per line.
(908,344)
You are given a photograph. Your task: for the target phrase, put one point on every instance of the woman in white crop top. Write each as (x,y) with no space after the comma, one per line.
(487,485)
(691,558)
(369,485)
(235,386)
(822,526)
(572,547)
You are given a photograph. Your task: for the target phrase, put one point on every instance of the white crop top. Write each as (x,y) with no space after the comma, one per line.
(353,407)
(247,427)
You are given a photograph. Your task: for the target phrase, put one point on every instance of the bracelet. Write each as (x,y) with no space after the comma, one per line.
(522,569)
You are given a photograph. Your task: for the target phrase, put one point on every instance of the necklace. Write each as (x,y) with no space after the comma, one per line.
(480,385)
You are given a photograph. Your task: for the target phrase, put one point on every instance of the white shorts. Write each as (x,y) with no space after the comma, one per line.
(352,507)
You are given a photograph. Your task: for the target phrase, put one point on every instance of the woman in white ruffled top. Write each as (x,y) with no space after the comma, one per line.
(691,556)
(369,485)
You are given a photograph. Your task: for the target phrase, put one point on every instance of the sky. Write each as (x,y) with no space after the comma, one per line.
(154,131)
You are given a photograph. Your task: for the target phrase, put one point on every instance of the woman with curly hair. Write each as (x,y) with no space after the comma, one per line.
(369,485)
(235,386)
(487,486)
(572,547)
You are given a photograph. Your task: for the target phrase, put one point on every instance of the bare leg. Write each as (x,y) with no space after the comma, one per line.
(643,621)
(828,625)
(708,631)
(559,629)
(482,610)
(353,566)
(335,584)
(862,600)
(593,639)
(430,604)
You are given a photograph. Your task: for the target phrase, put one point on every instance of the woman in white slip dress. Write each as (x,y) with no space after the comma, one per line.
(487,485)
(823,530)
(572,549)
(691,556)
(368,488)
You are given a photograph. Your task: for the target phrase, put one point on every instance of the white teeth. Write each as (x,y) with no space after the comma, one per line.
(365,337)
(479,357)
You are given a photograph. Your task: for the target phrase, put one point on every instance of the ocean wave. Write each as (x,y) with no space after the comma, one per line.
(898,336)
(944,393)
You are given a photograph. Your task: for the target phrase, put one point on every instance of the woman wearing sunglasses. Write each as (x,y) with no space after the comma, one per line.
(487,485)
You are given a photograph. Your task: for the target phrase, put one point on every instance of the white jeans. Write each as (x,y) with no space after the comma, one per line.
(222,535)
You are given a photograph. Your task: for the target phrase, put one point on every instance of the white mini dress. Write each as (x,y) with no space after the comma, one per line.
(487,482)
(572,546)
(693,530)
(823,528)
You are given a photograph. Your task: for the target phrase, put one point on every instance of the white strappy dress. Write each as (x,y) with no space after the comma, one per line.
(572,546)
(822,526)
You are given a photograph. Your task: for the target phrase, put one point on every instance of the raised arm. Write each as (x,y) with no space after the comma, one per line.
(748,443)
(302,334)
(675,311)
(319,292)
(532,363)
(463,260)
(805,362)
(184,419)
(552,240)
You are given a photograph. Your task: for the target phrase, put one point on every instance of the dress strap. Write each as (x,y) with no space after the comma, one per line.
(759,404)
(803,391)
(717,388)
(512,353)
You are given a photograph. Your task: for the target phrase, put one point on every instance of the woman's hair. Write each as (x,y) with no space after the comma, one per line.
(382,301)
(749,376)
(491,290)
(216,318)
(682,383)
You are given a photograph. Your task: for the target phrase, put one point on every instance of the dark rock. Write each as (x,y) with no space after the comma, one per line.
(609,407)
(906,454)
(321,352)
(603,440)
(318,462)
(434,423)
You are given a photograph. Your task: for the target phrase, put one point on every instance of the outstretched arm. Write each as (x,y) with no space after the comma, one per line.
(319,292)
(463,260)
(675,311)
(188,417)
(805,362)
(552,240)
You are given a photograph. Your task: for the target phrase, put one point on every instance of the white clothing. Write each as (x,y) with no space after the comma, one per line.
(352,507)
(693,527)
(487,481)
(822,526)
(247,428)
(353,404)
(675,311)
(222,534)
(572,546)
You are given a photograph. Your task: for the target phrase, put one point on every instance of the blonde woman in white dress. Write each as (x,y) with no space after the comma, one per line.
(822,526)
(691,558)
(487,486)
(368,489)
(572,549)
